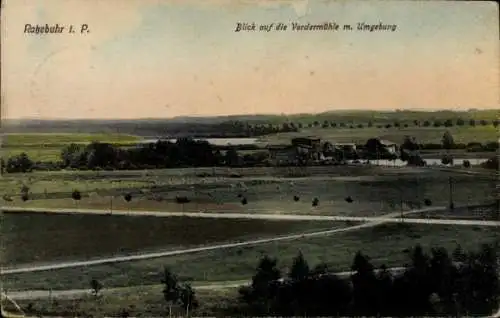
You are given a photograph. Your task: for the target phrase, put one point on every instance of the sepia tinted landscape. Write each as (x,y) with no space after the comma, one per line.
(178,180)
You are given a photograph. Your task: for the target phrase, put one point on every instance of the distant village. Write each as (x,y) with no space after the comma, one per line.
(311,150)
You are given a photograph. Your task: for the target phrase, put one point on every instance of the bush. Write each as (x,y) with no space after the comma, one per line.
(447,160)
(492,163)
(466,164)
(182,199)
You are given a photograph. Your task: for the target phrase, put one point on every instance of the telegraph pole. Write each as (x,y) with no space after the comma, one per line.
(111,204)
(401,203)
(450,184)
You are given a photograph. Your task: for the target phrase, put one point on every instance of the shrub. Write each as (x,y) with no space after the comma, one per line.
(182,199)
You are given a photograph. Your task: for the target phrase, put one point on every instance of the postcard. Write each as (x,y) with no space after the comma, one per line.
(249,158)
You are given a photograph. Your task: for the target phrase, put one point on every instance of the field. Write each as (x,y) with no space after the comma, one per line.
(464,134)
(385,244)
(373,190)
(137,301)
(35,139)
(47,147)
(41,238)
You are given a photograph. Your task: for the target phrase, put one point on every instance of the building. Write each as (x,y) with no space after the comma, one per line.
(282,155)
(349,147)
(311,142)
(390,146)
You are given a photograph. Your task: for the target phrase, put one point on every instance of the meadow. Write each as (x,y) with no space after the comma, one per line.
(56,139)
(30,238)
(140,301)
(423,135)
(373,190)
(46,147)
(385,244)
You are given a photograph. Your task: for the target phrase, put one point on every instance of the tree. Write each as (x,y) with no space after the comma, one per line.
(447,140)
(427,123)
(20,163)
(73,155)
(25,192)
(187,298)
(364,285)
(171,289)
(260,295)
(472,122)
(76,195)
(460,122)
(300,268)
(448,123)
(96,286)
(410,143)
(437,123)
(231,157)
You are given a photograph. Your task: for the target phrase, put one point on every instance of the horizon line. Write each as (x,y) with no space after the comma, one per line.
(421,110)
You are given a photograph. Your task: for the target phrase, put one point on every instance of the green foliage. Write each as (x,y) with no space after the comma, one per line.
(176,293)
(19,163)
(96,286)
(431,284)
(447,140)
(300,268)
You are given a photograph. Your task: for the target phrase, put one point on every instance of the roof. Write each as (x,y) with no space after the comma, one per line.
(310,138)
(279,147)
(387,142)
(344,144)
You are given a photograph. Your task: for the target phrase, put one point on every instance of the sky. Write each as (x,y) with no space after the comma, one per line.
(167,58)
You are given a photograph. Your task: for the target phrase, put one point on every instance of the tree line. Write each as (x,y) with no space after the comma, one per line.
(187,152)
(438,283)
(260,129)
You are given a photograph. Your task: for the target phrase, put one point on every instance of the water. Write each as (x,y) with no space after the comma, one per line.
(430,162)
(214,141)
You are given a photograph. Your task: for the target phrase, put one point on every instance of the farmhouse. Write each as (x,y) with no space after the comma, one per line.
(283,155)
(349,147)
(389,146)
(301,149)
(309,142)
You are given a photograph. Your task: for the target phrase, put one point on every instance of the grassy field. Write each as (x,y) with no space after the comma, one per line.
(372,191)
(47,147)
(385,244)
(145,301)
(464,134)
(41,238)
(17,140)
(35,154)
